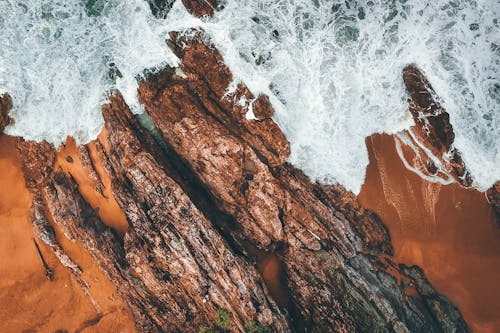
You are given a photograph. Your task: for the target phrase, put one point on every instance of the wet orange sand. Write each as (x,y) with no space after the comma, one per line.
(109,211)
(28,301)
(449,231)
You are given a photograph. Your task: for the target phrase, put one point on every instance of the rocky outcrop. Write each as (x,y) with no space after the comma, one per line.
(493,195)
(206,187)
(336,255)
(5,106)
(201,8)
(189,266)
(172,267)
(427,148)
(429,144)
(88,163)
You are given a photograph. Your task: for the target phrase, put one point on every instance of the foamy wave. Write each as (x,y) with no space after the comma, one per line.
(333,69)
(58,59)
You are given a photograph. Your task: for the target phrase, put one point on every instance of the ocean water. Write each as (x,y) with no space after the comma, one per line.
(333,69)
(60,58)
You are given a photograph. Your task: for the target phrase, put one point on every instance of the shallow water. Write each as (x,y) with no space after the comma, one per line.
(332,69)
(447,230)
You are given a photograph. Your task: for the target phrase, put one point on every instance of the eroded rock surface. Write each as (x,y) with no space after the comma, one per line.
(189,266)
(336,255)
(429,144)
(210,183)
(5,106)
(172,267)
(493,195)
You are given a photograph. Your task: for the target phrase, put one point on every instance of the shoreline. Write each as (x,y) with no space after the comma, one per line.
(29,301)
(459,260)
(447,230)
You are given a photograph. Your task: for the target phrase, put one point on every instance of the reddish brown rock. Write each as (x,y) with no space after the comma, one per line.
(201,8)
(5,106)
(190,266)
(88,164)
(29,301)
(429,144)
(332,250)
(172,268)
(46,233)
(37,162)
(367,224)
(493,195)
(208,80)
(209,183)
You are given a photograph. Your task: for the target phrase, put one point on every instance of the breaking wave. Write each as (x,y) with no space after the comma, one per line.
(333,69)
(59,59)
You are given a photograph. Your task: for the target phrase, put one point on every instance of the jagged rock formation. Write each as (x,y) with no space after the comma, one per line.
(5,106)
(323,241)
(430,141)
(189,264)
(174,270)
(493,195)
(427,148)
(216,185)
(208,186)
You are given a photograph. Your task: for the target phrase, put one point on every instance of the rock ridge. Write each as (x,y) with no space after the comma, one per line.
(206,185)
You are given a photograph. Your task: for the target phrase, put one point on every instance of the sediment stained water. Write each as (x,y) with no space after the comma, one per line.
(101,198)
(447,230)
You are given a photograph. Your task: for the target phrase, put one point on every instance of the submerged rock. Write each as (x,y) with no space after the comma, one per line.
(160,8)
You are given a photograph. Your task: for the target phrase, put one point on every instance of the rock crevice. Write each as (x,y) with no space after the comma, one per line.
(201,193)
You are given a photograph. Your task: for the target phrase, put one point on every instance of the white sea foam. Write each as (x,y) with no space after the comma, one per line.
(331,68)
(56,56)
(334,72)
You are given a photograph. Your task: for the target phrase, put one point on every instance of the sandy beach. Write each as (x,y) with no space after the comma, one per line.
(29,302)
(447,230)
